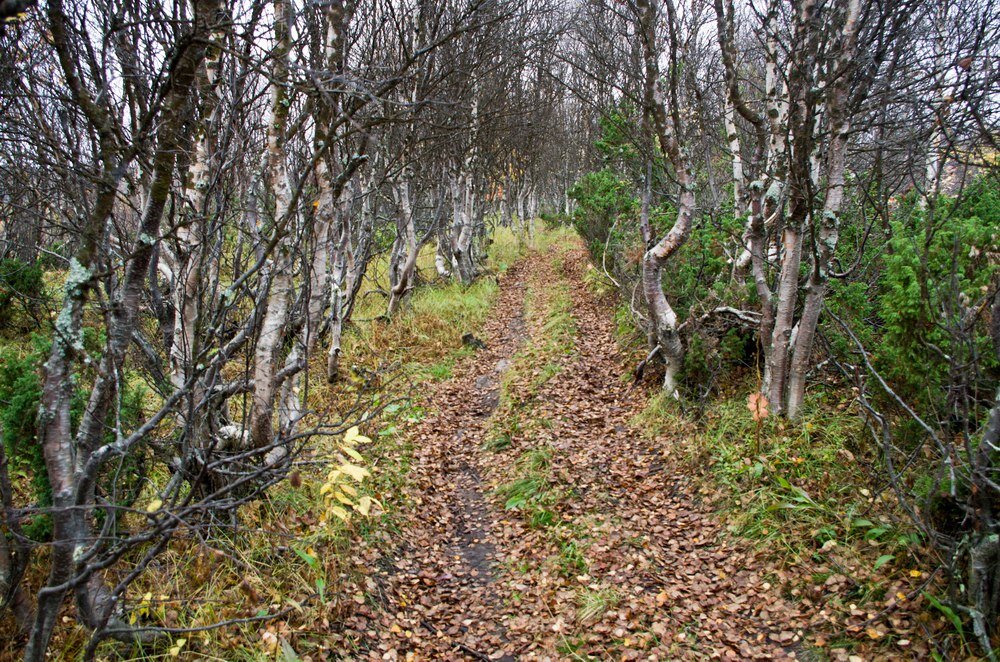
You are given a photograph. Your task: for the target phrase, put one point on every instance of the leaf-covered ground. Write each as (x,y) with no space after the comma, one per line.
(544,526)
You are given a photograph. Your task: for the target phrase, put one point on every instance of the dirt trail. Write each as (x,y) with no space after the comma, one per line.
(630,568)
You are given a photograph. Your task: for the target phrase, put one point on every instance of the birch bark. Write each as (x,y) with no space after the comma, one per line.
(269,342)
(663,320)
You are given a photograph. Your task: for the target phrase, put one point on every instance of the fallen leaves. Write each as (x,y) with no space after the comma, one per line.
(630,562)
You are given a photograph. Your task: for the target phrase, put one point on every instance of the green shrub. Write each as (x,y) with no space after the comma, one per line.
(939,267)
(21,287)
(20,394)
(602,197)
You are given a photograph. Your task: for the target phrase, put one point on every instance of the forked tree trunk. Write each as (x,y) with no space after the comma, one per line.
(829,223)
(404,250)
(801,121)
(663,320)
(463,225)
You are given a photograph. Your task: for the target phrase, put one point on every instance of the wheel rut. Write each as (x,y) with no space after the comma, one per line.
(442,601)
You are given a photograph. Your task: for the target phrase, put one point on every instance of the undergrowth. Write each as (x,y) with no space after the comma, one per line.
(290,562)
(803,494)
(793,487)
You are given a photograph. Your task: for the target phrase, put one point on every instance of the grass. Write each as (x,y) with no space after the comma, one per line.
(498,441)
(427,336)
(571,561)
(531,492)
(789,477)
(790,486)
(593,603)
(507,248)
(548,309)
(798,490)
(552,305)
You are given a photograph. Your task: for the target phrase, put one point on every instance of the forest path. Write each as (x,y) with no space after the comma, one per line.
(543,526)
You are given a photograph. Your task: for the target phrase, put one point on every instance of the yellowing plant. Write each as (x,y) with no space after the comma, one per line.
(339,490)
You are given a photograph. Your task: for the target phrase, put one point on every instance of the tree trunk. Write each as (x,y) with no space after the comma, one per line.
(667,126)
(349,265)
(463,225)
(272,333)
(829,228)
(405,248)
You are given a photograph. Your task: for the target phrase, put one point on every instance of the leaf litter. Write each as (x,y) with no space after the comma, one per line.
(629,560)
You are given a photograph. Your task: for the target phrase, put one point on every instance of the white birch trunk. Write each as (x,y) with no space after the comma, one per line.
(663,332)
(187,270)
(349,265)
(405,249)
(268,349)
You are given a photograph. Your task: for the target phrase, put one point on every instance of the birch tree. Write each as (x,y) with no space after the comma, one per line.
(663,106)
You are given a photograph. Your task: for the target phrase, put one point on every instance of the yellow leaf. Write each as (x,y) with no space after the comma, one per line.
(340,512)
(349,490)
(343,499)
(326,488)
(154,505)
(873,633)
(365,505)
(353,453)
(354,471)
(914,573)
(354,437)
(175,650)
